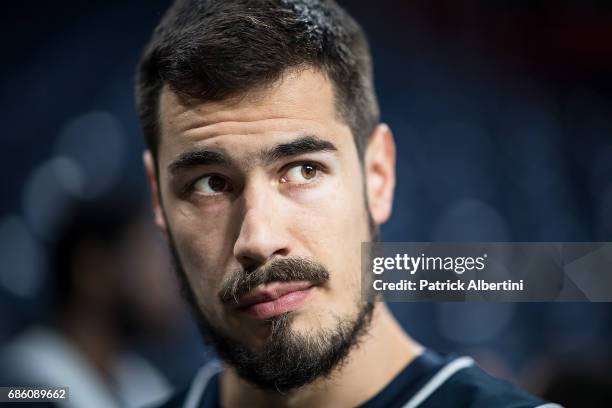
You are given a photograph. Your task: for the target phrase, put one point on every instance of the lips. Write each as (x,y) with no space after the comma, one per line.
(267,301)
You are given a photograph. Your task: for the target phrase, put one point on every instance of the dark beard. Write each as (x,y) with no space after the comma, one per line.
(287,360)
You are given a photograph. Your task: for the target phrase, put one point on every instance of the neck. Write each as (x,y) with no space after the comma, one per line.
(382,353)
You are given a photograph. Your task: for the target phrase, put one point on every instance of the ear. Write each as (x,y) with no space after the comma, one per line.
(380,173)
(151,170)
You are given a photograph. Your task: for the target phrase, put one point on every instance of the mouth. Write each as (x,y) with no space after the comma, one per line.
(267,301)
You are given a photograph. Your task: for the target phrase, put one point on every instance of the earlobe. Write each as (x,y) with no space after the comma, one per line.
(380,173)
(151,171)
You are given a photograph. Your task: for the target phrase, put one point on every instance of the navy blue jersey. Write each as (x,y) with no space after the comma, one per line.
(432,380)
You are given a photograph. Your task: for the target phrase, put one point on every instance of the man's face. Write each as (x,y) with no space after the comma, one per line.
(245,183)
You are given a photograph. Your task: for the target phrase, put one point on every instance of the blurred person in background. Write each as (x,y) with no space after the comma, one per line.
(112,286)
(268,167)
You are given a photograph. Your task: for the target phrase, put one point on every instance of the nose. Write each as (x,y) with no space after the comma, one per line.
(262,233)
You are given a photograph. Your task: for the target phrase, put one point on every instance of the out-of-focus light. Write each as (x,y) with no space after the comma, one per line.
(48,194)
(69,175)
(601,171)
(22,258)
(605,215)
(588,120)
(530,139)
(96,142)
(473,323)
(458,159)
(470,219)
(574,325)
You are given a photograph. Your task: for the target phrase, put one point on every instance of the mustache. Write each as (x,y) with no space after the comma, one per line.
(243,281)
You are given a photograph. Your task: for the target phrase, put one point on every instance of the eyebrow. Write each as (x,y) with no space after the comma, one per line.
(301,145)
(197,158)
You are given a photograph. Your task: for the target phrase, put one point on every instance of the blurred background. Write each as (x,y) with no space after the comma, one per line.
(502,114)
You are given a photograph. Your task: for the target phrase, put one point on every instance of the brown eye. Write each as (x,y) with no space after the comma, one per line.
(308,171)
(301,174)
(216,183)
(211,185)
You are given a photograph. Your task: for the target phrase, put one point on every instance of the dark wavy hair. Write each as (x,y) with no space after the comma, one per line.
(209,50)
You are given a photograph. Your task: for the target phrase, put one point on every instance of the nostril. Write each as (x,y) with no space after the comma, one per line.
(282,252)
(250,269)
(249,264)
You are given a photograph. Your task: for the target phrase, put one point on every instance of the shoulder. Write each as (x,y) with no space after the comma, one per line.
(176,400)
(472,387)
(202,392)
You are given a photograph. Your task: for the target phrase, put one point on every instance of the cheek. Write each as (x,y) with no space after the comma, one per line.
(333,226)
(203,248)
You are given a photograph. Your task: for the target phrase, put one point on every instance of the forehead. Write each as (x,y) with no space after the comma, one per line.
(301,101)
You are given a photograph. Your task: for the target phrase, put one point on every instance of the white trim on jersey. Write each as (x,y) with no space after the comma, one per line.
(437,380)
(204,375)
(199,383)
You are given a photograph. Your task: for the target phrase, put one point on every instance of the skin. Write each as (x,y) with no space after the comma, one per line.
(270,209)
